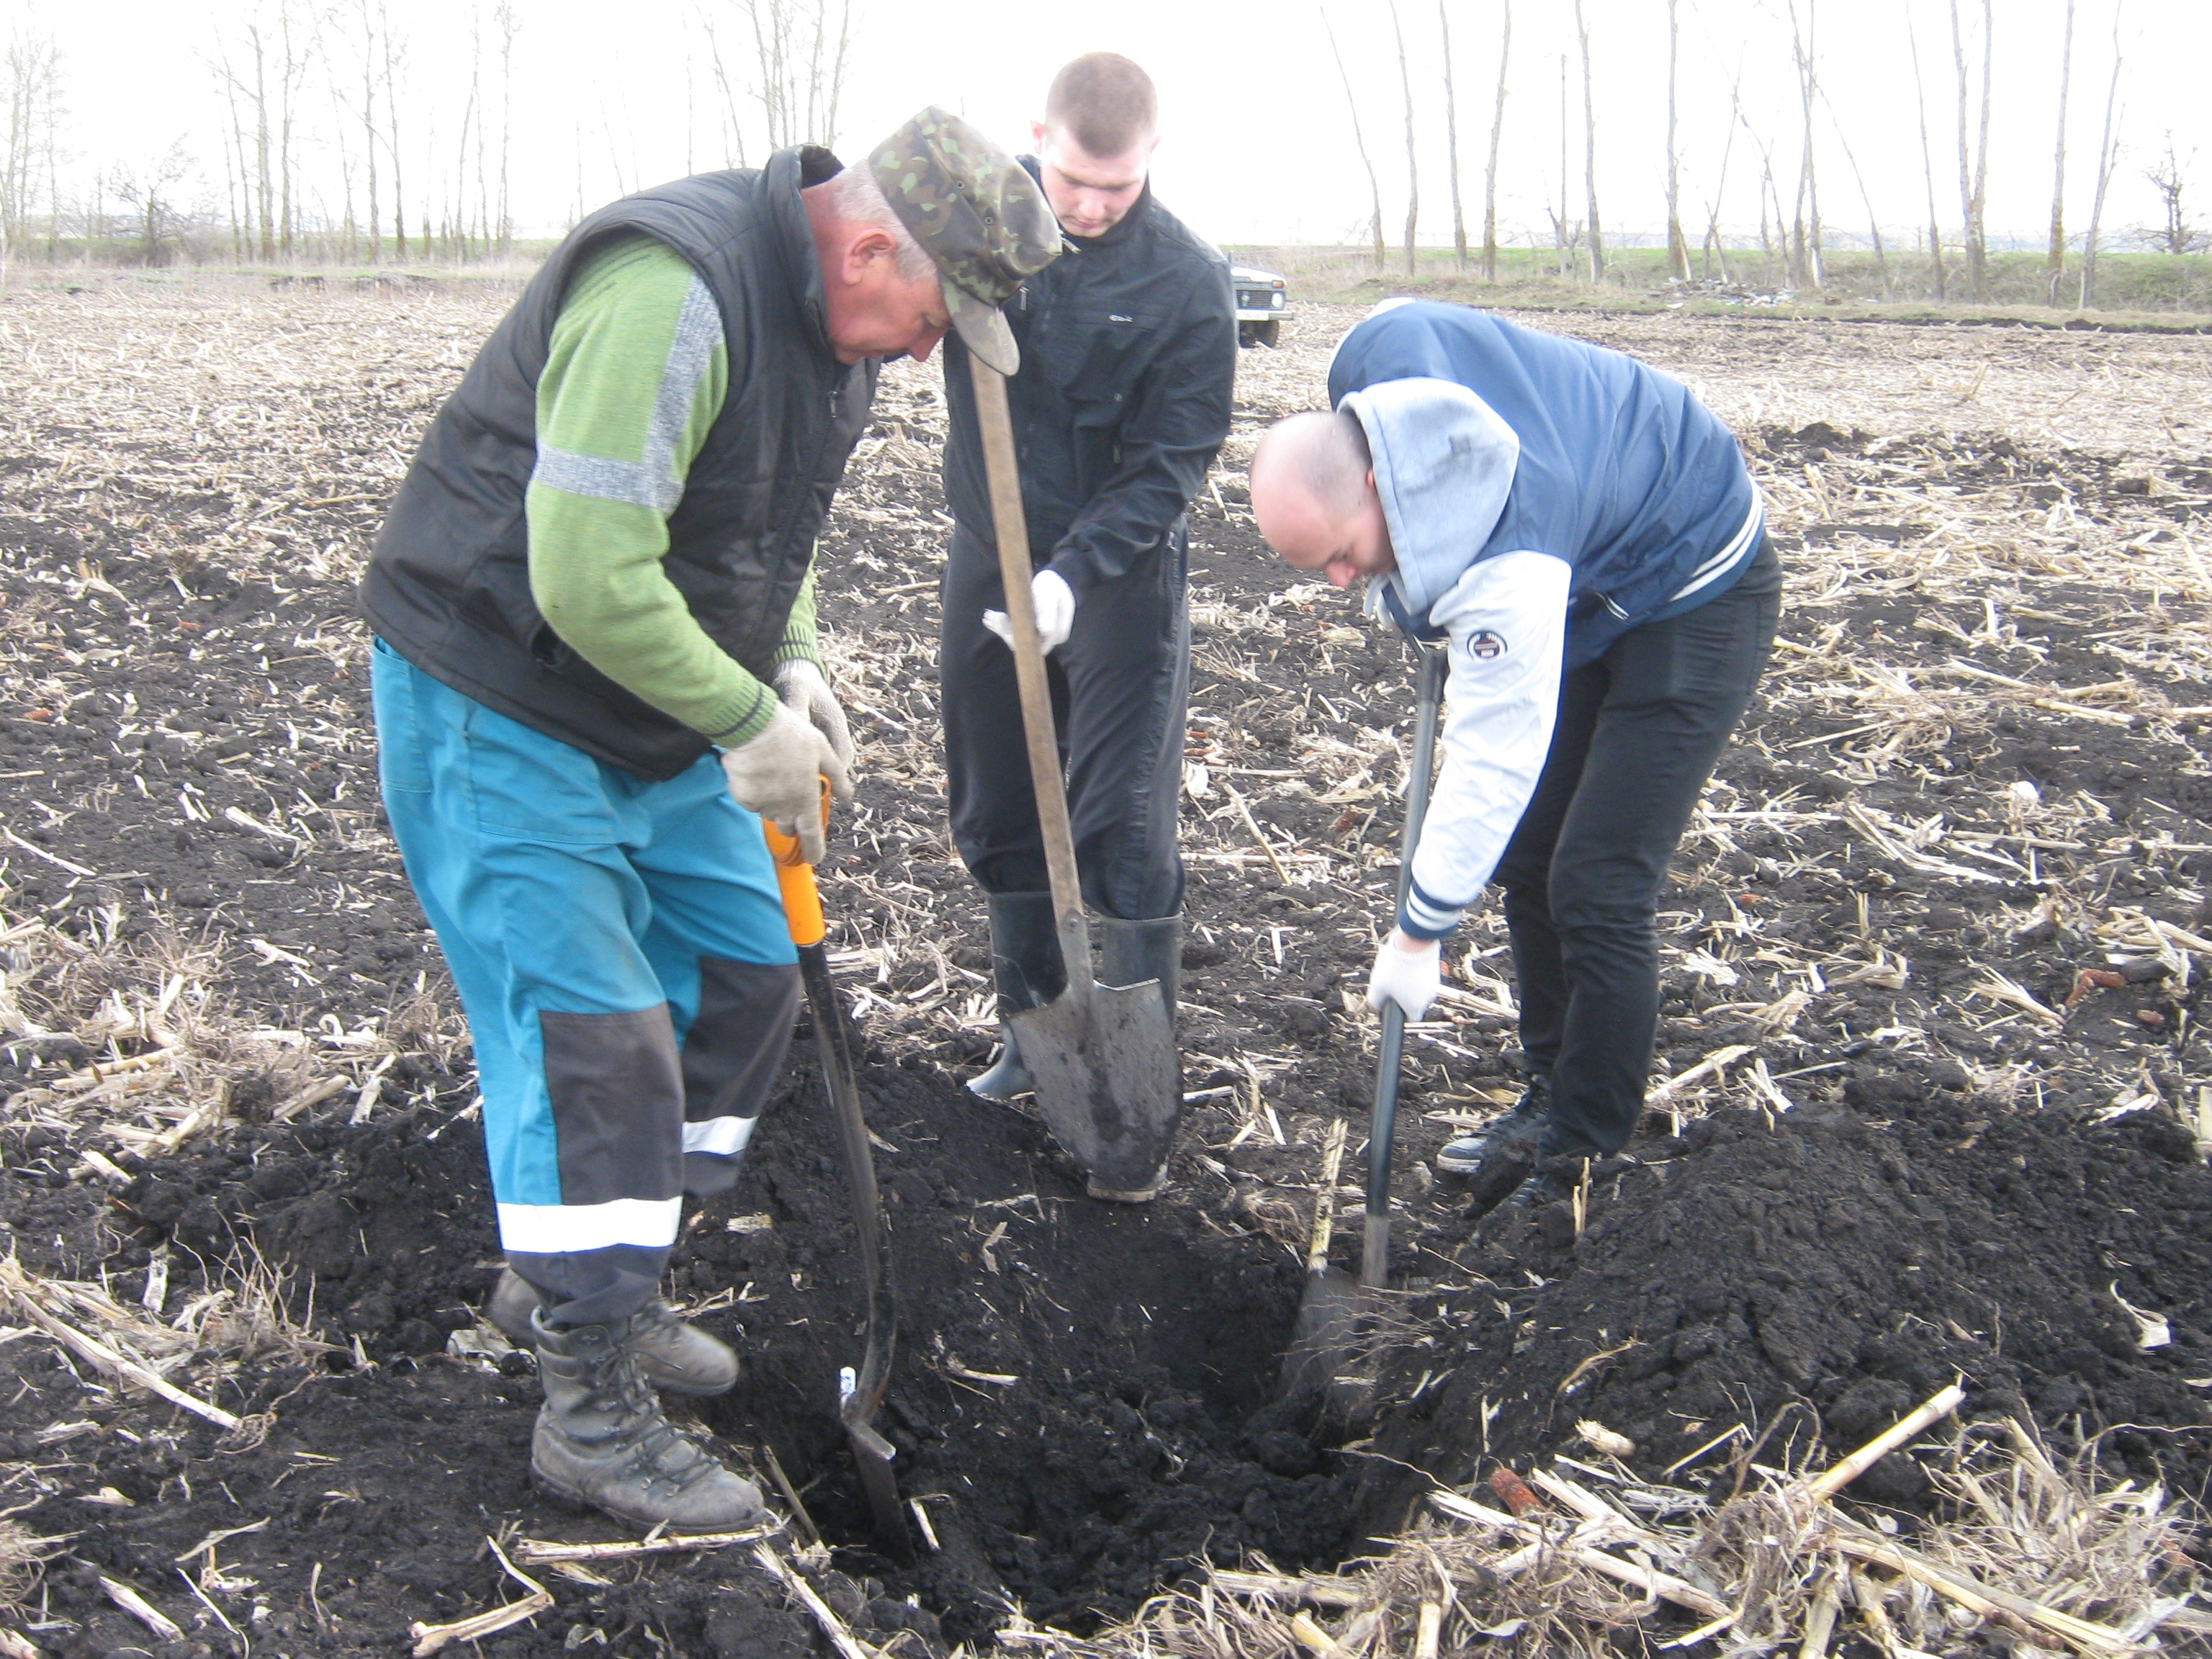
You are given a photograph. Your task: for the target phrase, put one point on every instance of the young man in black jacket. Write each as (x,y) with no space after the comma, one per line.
(1129,348)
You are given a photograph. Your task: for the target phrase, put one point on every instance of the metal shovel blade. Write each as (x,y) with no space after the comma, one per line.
(1330,1313)
(1108,1083)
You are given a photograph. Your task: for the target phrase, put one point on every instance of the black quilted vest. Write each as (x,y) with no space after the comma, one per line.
(448,584)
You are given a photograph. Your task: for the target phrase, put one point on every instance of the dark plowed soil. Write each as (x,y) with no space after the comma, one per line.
(1948,1184)
(1083,1403)
(1815,1275)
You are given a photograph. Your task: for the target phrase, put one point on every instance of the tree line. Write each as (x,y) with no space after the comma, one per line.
(1953,73)
(330,145)
(340,132)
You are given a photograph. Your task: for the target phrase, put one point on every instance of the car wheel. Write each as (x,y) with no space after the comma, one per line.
(1267,333)
(1247,335)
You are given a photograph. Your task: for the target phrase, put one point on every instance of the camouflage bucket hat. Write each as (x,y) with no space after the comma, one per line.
(978,214)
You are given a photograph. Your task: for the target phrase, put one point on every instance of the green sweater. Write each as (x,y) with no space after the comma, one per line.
(635,376)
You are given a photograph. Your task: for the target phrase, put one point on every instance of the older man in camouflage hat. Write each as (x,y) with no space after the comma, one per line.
(595,672)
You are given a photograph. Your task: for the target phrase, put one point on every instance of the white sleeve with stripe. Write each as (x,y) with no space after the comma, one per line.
(1507,622)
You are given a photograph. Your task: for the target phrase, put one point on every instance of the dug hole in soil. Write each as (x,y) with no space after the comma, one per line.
(1083,1405)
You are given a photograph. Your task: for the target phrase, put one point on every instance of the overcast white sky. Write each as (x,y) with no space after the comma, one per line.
(1258,143)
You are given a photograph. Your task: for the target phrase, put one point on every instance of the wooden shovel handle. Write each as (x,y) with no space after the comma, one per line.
(1014,575)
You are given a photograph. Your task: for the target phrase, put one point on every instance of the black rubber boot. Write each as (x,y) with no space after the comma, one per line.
(1131,952)
(602,1439)
(670,1354)
(1025,962)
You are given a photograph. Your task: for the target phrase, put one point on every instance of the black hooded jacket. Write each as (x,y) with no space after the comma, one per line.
(448,584)
(1128,346)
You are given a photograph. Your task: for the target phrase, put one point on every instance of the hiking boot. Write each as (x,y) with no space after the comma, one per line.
(1026,966)
(602,1441)
(670,1354)
(1516,1132)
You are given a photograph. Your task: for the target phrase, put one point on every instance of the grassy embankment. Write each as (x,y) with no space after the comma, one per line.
(2134,290)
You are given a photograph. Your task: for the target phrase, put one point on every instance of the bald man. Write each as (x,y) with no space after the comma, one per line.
(1583,537)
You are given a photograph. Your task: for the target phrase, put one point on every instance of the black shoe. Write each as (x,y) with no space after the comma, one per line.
(1538,1189)
(1517,1131)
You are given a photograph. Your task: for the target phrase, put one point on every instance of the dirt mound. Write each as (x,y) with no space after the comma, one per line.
(1812,1275)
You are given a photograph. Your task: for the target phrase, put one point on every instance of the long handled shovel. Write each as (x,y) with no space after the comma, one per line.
(859,1393)
(1374,1246)
(1102,1056)
(1333,1303)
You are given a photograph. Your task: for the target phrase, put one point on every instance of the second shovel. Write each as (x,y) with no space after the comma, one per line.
(861,1390)
(1103,1057)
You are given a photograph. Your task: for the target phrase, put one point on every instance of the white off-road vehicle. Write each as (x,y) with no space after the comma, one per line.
(1259,304)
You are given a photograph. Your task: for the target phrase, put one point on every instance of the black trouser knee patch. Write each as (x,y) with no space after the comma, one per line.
(731,1061)
(613,1080)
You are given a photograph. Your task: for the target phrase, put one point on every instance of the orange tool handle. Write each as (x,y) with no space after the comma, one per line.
(794,880)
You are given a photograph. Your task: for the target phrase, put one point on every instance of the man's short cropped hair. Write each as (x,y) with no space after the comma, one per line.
(1105,103)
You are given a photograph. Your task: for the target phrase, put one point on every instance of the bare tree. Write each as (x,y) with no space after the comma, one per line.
(150,193)
(733,138)
(1566,177)
(1678,249)
(1496,126)
(1768,192)
(1358,142)
(1804,50)
(1712,251)
(1452,137)
(457,208)
(2174,234)
(297,39)
(1590,150)
(31,84)
(392,61)
(800,53)
(1928,165)
(1412,155)
(263,75)
(1974,158)
(1874,224)
(2108,152)
(510,25)
(2055,259)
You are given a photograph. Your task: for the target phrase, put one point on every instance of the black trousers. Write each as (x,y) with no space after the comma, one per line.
(1121,686)
(1638,733)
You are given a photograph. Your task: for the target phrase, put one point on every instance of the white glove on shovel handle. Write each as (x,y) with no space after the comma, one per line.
(1055,611)
(778,774)
(806,691)
(1408,978)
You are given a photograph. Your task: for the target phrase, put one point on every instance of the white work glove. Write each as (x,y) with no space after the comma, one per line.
(779,775)
(806,691)
(1408,978)
(1055,611)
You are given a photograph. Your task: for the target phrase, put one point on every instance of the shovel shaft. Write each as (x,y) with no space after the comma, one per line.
(1015,574)
(1374,1253)
(833,1043)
